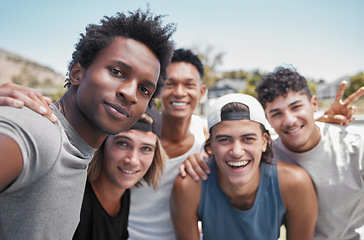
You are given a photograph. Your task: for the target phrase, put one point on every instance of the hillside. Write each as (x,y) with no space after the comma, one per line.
(17,69)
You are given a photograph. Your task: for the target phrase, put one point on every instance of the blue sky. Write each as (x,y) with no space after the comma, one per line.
(323,39)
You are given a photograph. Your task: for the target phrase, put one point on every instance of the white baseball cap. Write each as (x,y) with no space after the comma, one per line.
(255,113)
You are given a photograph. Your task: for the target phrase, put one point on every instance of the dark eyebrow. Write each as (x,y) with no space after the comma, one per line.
(125,65)
(295,102)
(292,103)
(222,136)
(150,83)
(122,137)
(228,136)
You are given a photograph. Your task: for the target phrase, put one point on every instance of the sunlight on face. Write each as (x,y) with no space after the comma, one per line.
(128,156)
(237,147)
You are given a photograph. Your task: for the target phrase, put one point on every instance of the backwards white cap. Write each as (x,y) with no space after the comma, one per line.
(256,111)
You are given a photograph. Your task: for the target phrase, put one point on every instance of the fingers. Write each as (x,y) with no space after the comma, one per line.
(340,91)
(334,119)
(182,170)
(6,101)
(354,96)
(18,96)
(349,120)
(191,171)
(195,166)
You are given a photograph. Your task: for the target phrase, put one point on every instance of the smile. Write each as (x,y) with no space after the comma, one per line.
(237,164)
(294,130)
(179,104)
(127,172)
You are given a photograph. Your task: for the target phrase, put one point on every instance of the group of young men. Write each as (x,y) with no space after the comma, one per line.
(112,79)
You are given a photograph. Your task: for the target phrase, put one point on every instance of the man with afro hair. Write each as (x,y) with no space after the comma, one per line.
(116,70)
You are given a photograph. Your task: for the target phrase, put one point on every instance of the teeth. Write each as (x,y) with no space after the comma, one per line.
(294,130)
(128,172)
(179,104)
(237,164)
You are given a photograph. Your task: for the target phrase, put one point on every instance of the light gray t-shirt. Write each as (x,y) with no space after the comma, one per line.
(336,166)
(44,202)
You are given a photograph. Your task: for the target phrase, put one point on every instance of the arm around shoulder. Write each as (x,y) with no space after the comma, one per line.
(185,200)
(11,161)
(300,200)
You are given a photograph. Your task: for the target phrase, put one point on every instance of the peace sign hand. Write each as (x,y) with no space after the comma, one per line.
(339,112)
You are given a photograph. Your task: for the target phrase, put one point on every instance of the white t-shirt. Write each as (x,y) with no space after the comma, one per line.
(336,166)
(149,216)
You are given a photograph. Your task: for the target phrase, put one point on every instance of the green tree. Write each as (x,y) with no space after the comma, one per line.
(356,82)
(211,59)
(236,74)
(312,85)
(252,80)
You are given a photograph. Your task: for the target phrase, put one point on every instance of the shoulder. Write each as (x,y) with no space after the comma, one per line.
(292,177)
(186,183)
(186,190)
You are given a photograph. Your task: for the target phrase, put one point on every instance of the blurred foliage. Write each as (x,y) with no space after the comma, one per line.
(251,82)
(236,75)
(312,85)
(56,96)
(211,59)
(355,83)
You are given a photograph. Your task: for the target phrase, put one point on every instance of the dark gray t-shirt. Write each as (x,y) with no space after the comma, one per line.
(44,202)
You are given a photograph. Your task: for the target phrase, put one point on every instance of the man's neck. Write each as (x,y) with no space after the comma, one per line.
(108,195)
(89,133)
(176,137)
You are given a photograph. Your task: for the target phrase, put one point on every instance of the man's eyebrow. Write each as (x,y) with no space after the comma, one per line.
(277,109)
(125,65)
(222,136)
(274,110)
(150,83)
(122,137)
(295,102)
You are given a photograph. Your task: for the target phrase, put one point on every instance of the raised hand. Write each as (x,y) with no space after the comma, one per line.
(339,112)
(18,96)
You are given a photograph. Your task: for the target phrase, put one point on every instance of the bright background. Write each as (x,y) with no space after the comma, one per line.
(323,39)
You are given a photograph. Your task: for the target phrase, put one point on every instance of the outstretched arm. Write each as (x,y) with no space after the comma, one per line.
(18,96)
(339,112)
(185,199)
(300,200)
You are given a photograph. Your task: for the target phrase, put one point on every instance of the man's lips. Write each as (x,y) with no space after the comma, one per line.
(242,163)
(178,104)
(293,130)
(127,171)
(119,109)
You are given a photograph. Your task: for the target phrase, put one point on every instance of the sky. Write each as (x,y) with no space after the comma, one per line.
(322,39)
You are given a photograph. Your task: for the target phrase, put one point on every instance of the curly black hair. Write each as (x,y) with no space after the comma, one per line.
(140,26)
(279,83)
(185,55)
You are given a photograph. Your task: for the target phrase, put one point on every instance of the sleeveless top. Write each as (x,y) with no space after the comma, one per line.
(221,221)
(150,217)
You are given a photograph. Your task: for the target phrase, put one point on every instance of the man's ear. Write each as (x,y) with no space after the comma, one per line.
(314,103)
(76,73)
(202,91)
